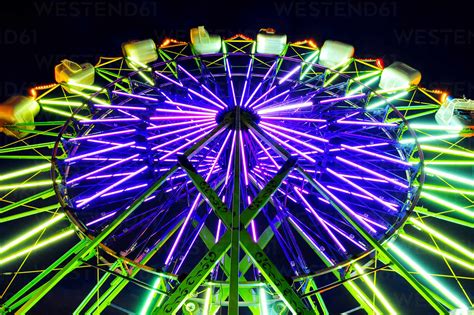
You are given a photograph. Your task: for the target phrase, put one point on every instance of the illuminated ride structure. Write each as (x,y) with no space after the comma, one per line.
(235,176)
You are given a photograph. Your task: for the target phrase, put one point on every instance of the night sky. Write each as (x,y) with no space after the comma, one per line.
(436,39)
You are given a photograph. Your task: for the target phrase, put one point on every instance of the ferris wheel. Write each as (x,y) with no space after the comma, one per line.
(237,176)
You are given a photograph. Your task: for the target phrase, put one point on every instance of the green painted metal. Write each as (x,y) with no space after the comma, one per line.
(15,301)
(443,217)
(235,223)
(259,258)
(195,277)
(43,195)
(29,213)
(76,261)
(96,288)
(265,194)
(117,285)
(380,249)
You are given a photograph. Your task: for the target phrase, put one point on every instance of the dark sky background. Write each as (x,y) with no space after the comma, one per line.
(436,38)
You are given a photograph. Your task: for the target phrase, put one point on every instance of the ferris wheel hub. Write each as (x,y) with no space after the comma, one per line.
(247,117)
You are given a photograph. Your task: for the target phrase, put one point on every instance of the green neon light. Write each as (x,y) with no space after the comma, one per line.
(310,58)
(150,297)
(361,87)
(448,241)
(334,77)
(367,75)
(425,113)
(140,72)
(62,113)
(387,100)
(435,127)
(449,163)
(438,252)
(374,289)
(85,86)
(443,217)
(449,190)
(364,297)
(429,138)
(37,246)
(453,177)
(448,204)
(41,167)
(435,283)
(65,103)
(144,76)
(27,185)
(87,96)
(263,301)
(207,302)
(383,91)
(32,232)
(468,154)
(29,213)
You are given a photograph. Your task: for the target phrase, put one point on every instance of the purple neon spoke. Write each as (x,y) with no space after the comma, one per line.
(205,98)
(184,117)
(249,67)
(275,108)
(310,239)
(295,132)
(191,90)
(131,115)
(349,192)
(180,138)
(169,79)
(349,116)
(342,98)
(102,218)
(180,130)
(100,193)
(101,169)
(203,86)
(227,176)
(120,107)
(259,84)
(345,235)
(289,74)
(142,97)
(229,74)
(292,148)
(123,190)
(362,146)
(193,207)
(383,157)
(308,145)
(365,178)
(262,96)
(270,99)
(191,106)
(191,112)
(343,205)
(263,148)
(102,135)
(184,145)
(265,117)
(368,193)
(320,220)
(365,123)
(175,124)
(244,161)
(106,120)
(78,157)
